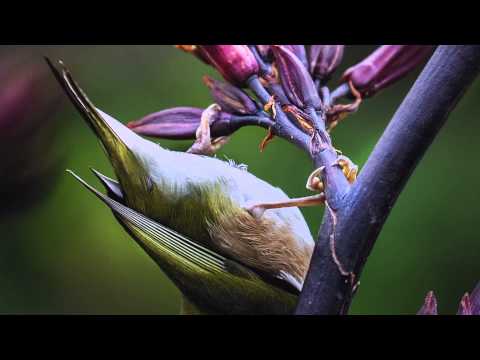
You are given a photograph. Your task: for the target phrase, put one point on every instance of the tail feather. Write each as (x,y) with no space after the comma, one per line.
(112,186)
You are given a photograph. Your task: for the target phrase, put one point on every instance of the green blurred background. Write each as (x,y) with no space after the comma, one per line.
(68,254)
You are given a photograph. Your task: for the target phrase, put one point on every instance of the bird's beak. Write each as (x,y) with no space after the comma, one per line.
(121,144)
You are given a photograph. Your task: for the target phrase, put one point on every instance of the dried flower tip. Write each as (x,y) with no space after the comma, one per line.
(304,120)
(236,63)
(324,60)
(430,305)
(339,112)
(295,78)
(385,66)
(266,140)
(230,98)
(270,106)
(195,50)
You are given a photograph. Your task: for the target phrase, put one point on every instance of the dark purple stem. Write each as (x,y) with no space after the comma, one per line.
(265,69)
(257,87)
(240,121)
(277,90)
(284,128)
(330,282)
(339,92)
(325,92)
(336,184)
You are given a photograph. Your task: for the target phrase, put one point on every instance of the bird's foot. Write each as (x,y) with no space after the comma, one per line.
(205,145)
(315,182)
(349,169)
(257,210)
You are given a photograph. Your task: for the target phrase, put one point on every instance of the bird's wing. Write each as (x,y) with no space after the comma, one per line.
(185,261)
(159,235)
(160,238)
(114,192)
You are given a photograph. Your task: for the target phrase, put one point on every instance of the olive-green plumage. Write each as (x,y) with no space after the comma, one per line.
(187,212)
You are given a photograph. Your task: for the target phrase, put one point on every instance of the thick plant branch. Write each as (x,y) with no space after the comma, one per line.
(348,232)
(336,184)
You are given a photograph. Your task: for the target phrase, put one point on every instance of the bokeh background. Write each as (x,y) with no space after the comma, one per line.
(67,254)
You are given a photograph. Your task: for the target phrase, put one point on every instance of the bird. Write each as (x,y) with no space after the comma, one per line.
(231,242)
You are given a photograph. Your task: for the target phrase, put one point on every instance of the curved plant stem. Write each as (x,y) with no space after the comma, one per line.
(358,219)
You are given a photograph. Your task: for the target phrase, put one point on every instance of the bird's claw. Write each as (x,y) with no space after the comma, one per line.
(349,169)
(315,182)
(204,144)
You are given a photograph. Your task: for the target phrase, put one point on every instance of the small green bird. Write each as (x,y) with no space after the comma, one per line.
(203,220)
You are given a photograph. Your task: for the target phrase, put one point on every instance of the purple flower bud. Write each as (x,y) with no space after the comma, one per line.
(175,123)
(324,60)
(236,63)
(384,66)
(300,52)
(430,305)
(179,123)
(295,78)
(465,307)
(266,53)
(230,98)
